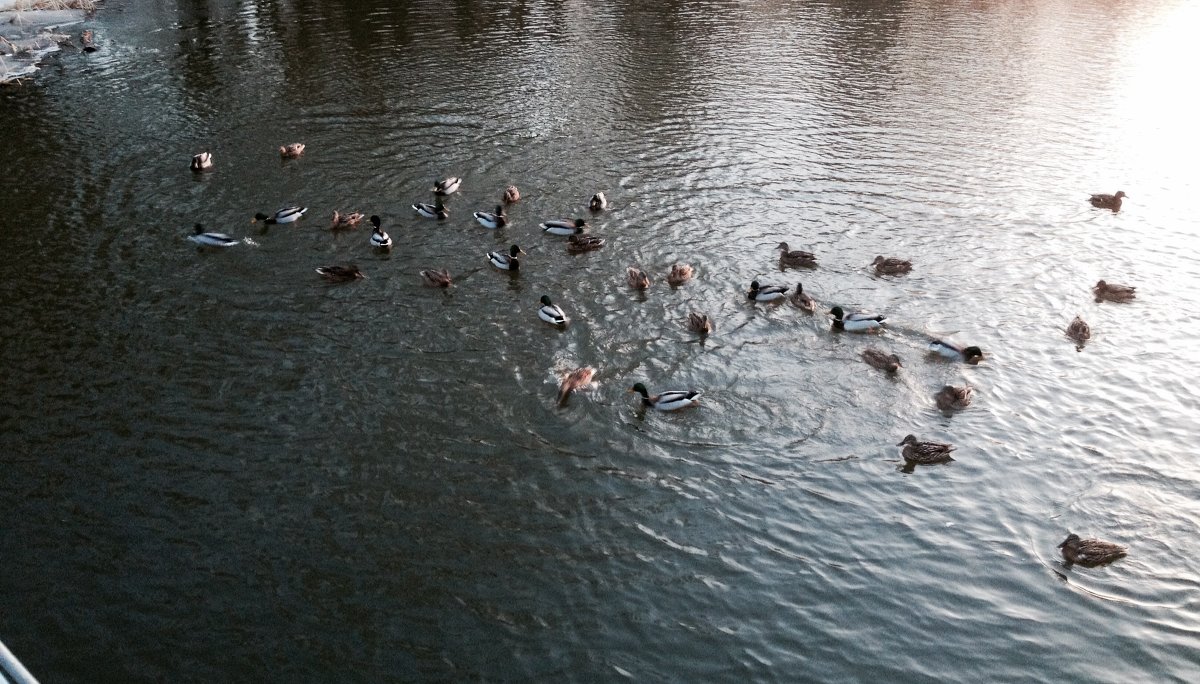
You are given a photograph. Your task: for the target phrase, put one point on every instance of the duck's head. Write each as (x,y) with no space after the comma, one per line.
(783,247)
(799,288)
(499,210)
(579,223)
(878,260)
(260,217)
(197,229)
(972,354)
(375,221)
(1120,194)
(546,300)
(1100,285)
(515,250)
(640,389)
(754,286)
(908,439)
(1071,540)
(837,313)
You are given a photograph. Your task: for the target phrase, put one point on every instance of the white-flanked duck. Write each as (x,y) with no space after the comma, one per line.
(447,186)
(552,313)
(202,162)
(210,239)
(671,400)
(766,293)
(379,238)
(950,350)
(506,262)
(598,202)
(856,321)
(564,226)
(492,221)
(285,215)
(437,211)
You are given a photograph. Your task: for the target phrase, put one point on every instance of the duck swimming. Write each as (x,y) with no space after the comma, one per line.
(951,398)
(575,380)
(551,313)
(286,215)
(436,277)
(949,350)
(637,278)
(437,211)
(1090,552)
(578,244)
(672,400)
(801,300)
(210,239)
(598,202)
(379,239)
(447,186)
(340,274)
(766,293)
(1113,293)
(1079,331)
(700,323)
(492,221)
(291,150)
(346,221)
(925,453)
(795,257)
(512,195)
(202,162)
(680,274)
(506,262)
(881,360)
(891,266)
(1103,201)
(856,321)
(564,226)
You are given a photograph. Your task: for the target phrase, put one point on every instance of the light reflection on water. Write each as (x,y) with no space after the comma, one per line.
(220,464)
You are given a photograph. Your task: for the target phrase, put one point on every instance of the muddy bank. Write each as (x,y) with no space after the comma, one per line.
(32,29)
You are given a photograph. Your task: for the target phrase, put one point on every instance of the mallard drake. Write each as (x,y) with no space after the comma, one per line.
(447,186)
(766,293)
(891,265)
(564,226)
(379,238)
(210,239)
(925,453)
(285,215)
(951,398)
(638,279)
(598,202)
(680,274)
(346,221)
(437,211)
(340,274)
(700,323)
(578,244)
(672,400)
(576,379)
(506,262)
(436,277)
(949,350)
(856,321)
(202,161)
(1113,293)
(512,195)
(1089,552)
(881,360)
(802,300)
(1103,201)
(492,221)
(551,313)
(1079,331)
(795,257)
(291,150)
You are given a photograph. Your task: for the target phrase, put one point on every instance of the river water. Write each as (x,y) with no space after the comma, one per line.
(218,467)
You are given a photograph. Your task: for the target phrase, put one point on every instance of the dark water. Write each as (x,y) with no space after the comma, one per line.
(219,468)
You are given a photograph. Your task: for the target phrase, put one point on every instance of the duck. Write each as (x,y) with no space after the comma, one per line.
(210,239)
(766,293)
(340,274)
(576,379)
(924,453)
(447,186)
(551,313)
(1090,552)
(1079,331)
(638,279)
(506,262)
(564,226)
(87,39)
(492,221)
(512,195)
(881,360)
(680,274)
(285,215)
(1113,293)
(949,350)
(891,265)
(672,400)
(379,238)
(952,398)
(578,244)
(700,323)
(437,211)
(346,221)
(436,277)
(856,321)
(598,202)
(291,150)
(202,162)
(801,299)
(1103,201)
(795,257)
